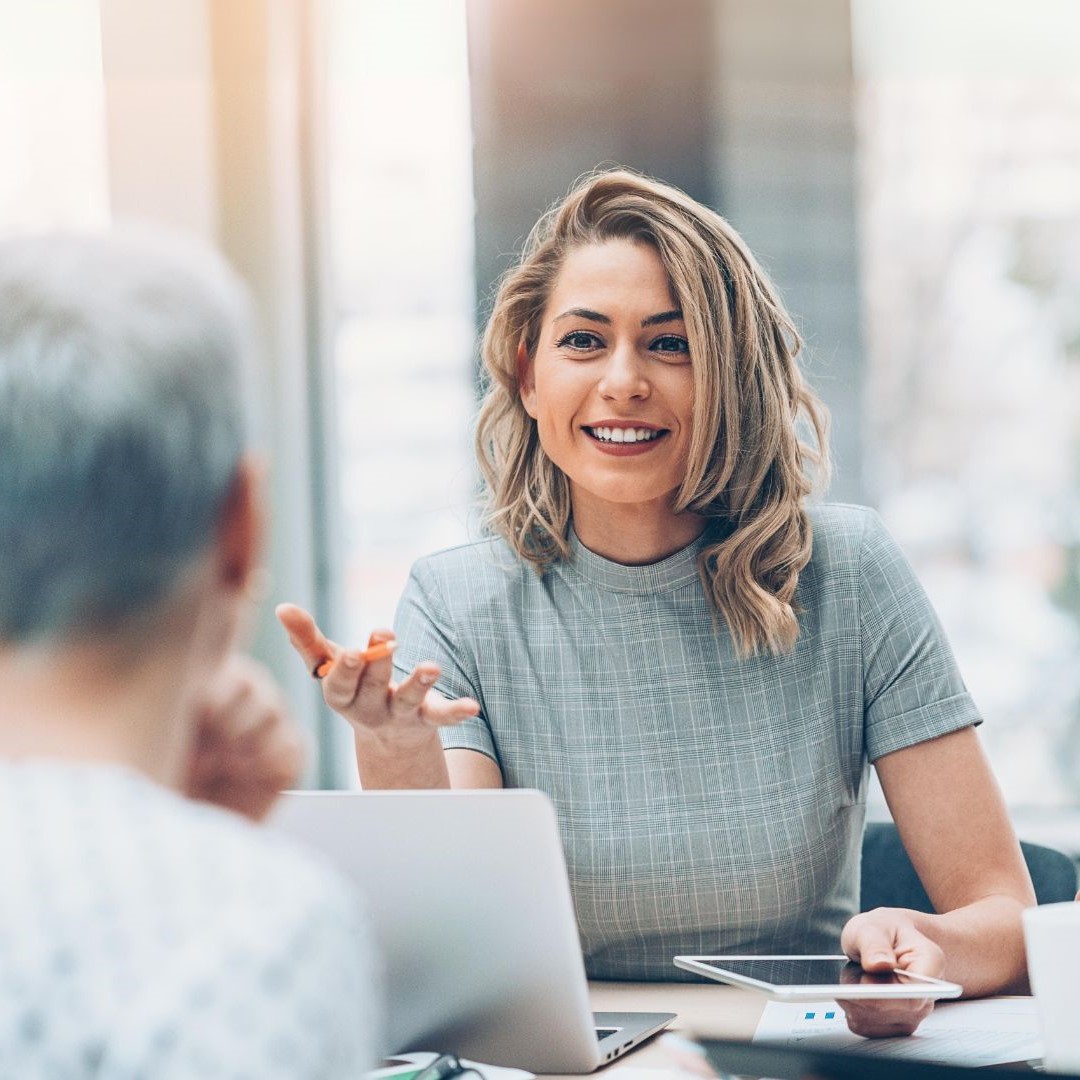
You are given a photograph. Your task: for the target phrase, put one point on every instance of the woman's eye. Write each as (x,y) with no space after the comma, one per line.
(671,343)
(581,340)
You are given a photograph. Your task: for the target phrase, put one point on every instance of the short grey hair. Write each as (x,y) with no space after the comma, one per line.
(122,422)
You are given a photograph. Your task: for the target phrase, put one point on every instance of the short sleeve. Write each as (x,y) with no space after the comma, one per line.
(912,688)
(425,632)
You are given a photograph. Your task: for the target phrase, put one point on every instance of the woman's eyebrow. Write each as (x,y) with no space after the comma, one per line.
(584,313)
(674,315)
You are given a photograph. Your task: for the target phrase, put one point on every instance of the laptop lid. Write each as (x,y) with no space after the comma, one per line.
(470,904)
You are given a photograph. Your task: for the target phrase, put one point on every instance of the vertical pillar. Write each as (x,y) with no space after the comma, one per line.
(204,102)
(560,87)
(783,162)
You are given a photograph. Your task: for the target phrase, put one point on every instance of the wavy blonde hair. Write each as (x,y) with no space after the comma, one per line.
(747,465)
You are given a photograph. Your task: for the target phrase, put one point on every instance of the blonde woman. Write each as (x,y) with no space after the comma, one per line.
(663,634)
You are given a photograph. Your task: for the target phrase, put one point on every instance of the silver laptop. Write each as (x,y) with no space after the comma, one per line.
(470,903)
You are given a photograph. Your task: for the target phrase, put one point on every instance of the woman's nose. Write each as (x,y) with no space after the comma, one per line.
(624,376)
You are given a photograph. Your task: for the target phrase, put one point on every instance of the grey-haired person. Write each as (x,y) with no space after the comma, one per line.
(148,926)
(667,634)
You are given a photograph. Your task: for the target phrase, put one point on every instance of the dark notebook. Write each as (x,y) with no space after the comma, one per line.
(802,1063)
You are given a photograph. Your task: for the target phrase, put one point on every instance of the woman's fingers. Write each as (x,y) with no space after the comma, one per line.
(881,940)
(306,638)
(373,688)
(441,710)
(885,1019)
(872,945)
(341,683)
(416,696)
(410,694)
(356,682)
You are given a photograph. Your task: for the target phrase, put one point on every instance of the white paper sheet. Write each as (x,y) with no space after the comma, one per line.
(991,1031)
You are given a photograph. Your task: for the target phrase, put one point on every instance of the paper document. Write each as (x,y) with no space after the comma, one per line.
(991,1031)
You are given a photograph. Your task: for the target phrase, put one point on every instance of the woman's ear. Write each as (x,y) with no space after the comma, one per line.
(526,381)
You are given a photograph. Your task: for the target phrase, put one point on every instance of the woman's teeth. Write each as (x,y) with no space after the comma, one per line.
(610,434)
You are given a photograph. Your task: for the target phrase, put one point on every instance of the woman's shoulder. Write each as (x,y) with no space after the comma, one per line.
(488,555)
(474,570)
(482,583)
(833,519)
(844,535)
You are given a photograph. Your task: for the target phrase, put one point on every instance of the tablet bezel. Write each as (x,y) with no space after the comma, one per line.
(713,967)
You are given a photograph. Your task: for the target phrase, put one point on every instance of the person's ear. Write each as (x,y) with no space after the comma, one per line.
(241,527)
(526,380)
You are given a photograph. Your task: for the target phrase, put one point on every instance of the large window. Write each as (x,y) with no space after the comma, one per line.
(52,116)
(401,233)
(970,161)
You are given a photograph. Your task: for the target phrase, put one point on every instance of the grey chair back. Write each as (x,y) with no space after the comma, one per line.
(889,879)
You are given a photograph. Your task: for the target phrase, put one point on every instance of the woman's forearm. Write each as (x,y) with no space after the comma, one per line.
(390,763)
(983,944)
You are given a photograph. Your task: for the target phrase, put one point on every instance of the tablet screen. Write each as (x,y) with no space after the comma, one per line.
(809,978)
(799,971)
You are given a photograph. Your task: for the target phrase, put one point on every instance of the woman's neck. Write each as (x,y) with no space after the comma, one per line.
(629,535)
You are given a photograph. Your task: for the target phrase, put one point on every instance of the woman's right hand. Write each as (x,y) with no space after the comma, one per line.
(399,715)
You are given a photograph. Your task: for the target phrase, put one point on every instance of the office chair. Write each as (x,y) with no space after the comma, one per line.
(889,879)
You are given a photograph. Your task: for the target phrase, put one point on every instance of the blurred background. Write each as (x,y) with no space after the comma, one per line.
(908,173)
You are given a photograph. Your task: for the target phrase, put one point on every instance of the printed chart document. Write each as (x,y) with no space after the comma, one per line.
(991,1031)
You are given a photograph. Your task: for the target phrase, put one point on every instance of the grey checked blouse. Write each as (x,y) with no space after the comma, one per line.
(707,803)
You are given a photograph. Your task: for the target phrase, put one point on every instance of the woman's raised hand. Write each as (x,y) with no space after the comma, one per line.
(356,684)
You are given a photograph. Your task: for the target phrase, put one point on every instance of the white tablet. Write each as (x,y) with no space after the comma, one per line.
(816,978)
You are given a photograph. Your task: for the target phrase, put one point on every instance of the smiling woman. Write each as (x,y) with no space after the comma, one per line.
(650,253)
(666,637)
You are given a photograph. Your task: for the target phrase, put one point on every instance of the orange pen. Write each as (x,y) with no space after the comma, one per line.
(379,651)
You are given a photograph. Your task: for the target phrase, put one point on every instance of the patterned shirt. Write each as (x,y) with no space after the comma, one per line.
(143,935)
(707,803)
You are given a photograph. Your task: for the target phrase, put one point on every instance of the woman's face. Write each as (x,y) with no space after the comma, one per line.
(610,385)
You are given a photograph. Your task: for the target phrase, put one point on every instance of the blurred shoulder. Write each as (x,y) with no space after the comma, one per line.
(243,861)
(209,865)
(169,907)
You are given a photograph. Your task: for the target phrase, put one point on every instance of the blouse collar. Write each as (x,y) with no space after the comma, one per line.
(674,572)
